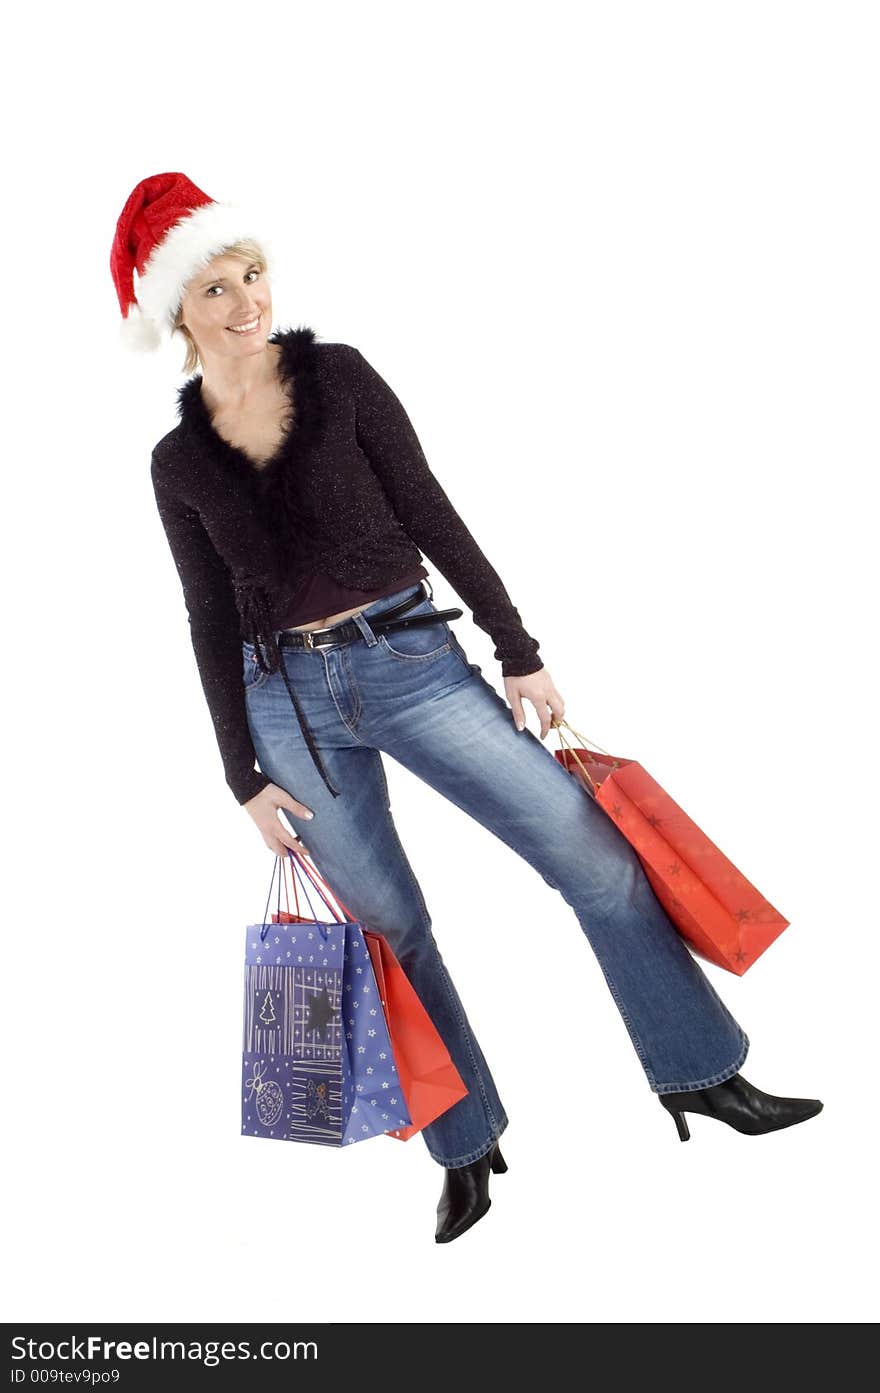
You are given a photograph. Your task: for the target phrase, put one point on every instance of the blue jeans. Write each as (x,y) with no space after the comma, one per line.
(413,694)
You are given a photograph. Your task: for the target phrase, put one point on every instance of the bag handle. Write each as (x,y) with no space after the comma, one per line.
(307,874)
(265,926)
(299,865)
(278,867)
(558,722)
(318,881)
(296,902)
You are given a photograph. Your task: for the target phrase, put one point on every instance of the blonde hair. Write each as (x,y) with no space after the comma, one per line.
(248,251)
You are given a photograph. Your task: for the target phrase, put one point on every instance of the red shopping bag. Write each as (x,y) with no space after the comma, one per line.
(721,915)
(429,1080)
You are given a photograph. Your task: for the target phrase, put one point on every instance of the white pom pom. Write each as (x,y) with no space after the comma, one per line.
(138,332)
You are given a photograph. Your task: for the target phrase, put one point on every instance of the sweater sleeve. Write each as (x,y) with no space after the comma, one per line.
(215,633)
(386,435)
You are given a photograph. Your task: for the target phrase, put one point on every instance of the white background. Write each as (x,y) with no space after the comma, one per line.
(619,262)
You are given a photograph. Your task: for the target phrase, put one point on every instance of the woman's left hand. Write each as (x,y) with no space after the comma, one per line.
(536,687)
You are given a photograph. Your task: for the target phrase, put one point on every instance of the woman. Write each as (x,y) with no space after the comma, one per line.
(297,503)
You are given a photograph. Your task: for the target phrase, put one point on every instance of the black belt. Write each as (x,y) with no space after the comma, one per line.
(347,632)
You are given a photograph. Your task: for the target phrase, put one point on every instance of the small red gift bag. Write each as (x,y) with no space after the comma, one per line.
(715,909)
(429,1080)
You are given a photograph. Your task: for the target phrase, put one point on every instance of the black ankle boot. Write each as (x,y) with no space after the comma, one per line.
(740,1105)
(465,1196)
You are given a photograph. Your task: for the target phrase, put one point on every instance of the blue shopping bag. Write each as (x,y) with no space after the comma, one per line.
(317,1061)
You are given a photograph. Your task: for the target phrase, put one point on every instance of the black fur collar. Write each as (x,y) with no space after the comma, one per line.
(298,360)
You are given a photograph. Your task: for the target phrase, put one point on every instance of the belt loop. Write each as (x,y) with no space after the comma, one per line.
(366,632)
(429,587)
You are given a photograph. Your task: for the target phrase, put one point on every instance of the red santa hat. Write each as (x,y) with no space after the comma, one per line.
(168,230)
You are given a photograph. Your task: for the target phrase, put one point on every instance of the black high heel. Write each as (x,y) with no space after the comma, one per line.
(742,1106)
(465,1197)
(498,1163)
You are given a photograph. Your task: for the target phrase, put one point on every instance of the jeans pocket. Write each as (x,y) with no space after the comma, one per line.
(456,647)
(251,674)
(421,642)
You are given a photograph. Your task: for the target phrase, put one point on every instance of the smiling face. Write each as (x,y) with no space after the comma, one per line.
(227,307)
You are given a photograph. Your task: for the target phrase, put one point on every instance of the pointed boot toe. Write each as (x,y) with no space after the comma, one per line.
(741,1105)
(465,1196)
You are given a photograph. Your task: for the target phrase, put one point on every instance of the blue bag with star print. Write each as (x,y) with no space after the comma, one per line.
(317,1062)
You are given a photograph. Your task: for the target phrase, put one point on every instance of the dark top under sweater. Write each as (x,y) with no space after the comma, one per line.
(320,595)
(348,493)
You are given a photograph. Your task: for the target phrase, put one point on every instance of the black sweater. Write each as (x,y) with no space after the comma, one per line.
(348,492)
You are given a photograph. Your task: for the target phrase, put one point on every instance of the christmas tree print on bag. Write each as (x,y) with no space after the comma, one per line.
(317,1061)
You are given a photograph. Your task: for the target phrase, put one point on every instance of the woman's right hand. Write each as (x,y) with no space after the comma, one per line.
(264,807)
